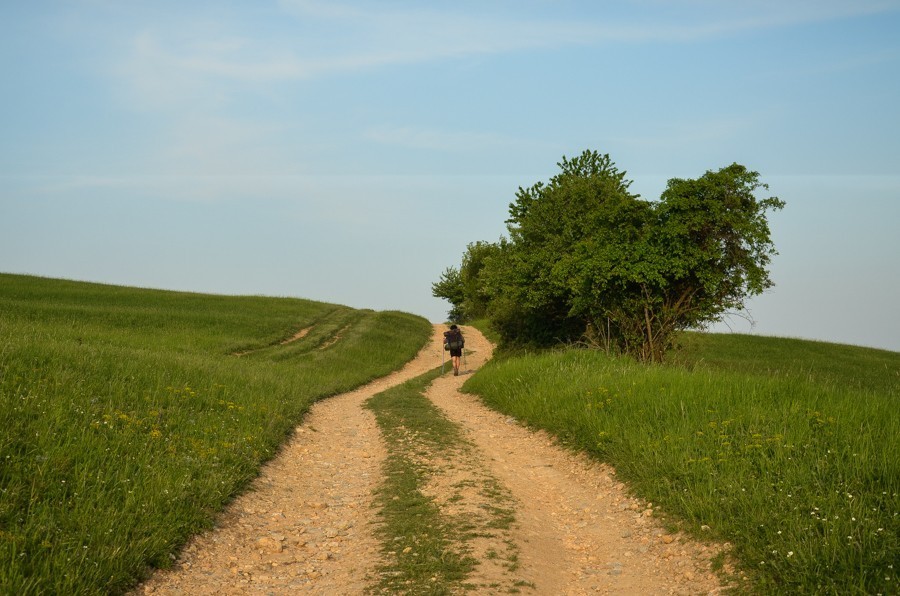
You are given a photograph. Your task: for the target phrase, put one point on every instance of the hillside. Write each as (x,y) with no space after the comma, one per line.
(129,417)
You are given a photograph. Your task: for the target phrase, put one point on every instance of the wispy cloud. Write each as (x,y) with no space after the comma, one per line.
(197,71)
(369,37)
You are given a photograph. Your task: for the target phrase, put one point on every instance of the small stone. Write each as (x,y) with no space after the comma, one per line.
(668,539)
(269,544)
(407,550)
(648,512)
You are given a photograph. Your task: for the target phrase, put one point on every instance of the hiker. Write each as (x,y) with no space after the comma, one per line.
(453,341)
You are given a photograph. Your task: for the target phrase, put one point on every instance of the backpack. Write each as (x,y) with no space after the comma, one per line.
(453,340)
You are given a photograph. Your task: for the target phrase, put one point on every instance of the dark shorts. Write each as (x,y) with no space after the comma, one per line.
(457,353)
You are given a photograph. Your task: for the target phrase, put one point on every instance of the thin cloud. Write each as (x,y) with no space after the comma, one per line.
(374,38)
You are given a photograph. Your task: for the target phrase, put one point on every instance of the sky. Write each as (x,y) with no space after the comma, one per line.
(349,151)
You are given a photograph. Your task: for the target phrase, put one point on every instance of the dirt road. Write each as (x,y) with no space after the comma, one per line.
(306,526)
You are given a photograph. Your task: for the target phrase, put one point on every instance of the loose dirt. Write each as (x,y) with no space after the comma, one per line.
(306,525)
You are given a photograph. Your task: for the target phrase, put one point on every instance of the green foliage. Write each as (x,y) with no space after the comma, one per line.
(128,421)
(450,288)
(568,241)
(462,287)
(786,449)
(587,259)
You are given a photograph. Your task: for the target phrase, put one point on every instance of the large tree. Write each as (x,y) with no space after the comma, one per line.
(586,258)
(584,212)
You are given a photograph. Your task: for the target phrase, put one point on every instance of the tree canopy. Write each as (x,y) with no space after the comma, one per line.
(586,259)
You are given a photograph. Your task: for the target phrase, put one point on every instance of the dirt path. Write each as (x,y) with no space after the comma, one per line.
(307,524)
(577,529)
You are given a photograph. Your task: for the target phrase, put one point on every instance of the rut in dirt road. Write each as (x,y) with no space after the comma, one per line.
(308,524)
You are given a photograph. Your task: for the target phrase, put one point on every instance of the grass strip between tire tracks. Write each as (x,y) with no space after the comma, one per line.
(428,536)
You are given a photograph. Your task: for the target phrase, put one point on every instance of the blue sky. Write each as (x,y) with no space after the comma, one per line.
(349,151)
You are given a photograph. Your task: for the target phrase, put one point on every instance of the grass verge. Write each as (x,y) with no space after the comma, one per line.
(794,464)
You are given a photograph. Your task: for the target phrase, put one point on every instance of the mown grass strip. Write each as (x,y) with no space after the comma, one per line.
(426,549)
(797,468)
(126,423)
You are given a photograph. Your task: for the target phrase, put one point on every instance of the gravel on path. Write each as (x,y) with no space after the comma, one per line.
(306,524)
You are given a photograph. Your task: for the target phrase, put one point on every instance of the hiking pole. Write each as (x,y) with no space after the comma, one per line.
(442,361)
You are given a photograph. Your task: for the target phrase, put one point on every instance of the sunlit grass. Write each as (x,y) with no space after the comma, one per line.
(127,422)
(794,463)
(427,547)
(419,547)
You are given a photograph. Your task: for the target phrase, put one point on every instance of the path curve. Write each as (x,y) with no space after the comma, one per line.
(306,525)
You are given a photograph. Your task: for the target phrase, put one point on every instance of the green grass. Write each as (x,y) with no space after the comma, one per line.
(787,449)
(841,366)
(483,325)
(426,548)
(128,422)
(420,548)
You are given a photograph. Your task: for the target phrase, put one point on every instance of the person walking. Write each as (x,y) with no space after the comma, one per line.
(454,341)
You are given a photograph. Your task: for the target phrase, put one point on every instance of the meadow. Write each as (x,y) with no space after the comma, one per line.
(129,417)
(786,449)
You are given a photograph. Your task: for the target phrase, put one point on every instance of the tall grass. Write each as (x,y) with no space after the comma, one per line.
(127,421)
(792,458)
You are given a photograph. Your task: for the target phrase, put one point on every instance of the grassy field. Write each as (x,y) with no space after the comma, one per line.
(128,420)
(786,449)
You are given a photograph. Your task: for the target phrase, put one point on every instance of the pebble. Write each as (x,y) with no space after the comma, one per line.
(269,544)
